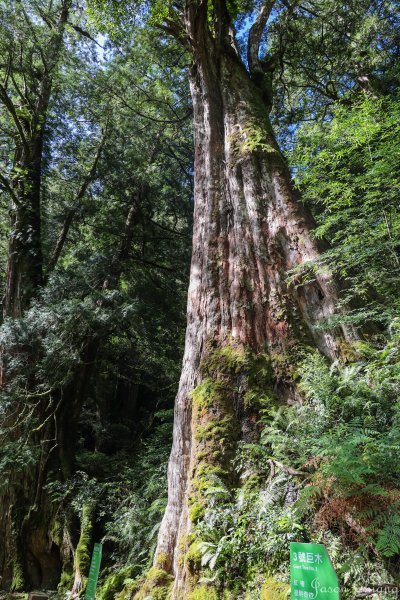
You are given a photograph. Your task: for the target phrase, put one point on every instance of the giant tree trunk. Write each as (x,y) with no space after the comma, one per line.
(249,230)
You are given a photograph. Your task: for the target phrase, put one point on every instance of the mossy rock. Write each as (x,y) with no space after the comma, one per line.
(274,590)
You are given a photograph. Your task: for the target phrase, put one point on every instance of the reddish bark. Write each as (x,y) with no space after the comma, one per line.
(249,230)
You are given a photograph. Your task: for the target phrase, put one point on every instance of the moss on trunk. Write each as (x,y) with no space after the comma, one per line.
(236,383)
(83,549)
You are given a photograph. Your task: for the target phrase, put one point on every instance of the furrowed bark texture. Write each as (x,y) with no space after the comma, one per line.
(249,230)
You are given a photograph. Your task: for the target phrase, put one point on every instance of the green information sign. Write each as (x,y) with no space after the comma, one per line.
(311,573)
(90,593)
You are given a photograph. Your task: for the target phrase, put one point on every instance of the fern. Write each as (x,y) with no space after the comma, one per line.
(388,541)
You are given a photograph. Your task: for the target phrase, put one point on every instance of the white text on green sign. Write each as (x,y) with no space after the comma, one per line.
(311,573)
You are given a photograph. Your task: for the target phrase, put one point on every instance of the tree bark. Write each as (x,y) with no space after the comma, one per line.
(25,261)
(24,266)
(250,229)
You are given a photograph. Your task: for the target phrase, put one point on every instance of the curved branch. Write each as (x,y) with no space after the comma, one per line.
(256,31)
(89,178)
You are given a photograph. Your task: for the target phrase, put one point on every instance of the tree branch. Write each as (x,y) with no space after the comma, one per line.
(81,192)
(4,97)
(285,469)
(256,31)
(85,34)
(172,27)
(5,184)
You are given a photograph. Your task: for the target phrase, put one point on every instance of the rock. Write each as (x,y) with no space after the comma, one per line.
(37,596)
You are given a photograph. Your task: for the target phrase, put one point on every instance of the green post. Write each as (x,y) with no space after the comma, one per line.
(90,593)
(312,575)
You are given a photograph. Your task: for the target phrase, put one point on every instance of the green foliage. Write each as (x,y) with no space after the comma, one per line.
(97,355)
(347,170)
(324,470)
(274,590)
(332,53)
(203,592)
(347,435)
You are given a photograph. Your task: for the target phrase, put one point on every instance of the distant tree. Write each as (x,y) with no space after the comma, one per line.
(114,185)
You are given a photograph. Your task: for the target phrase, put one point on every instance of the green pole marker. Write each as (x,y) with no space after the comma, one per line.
(312,575)
(90,592)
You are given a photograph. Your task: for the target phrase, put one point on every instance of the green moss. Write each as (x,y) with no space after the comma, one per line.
(196,512)
(66,579)
(161,560)
(157,585)
(274,590)
(203,592)
(202,395)
(83,549)
(214,429)
(255,139)
(235,378)
(193,556)
(254,136)
(232,374)
(227,358)
(114,584)
(18,580)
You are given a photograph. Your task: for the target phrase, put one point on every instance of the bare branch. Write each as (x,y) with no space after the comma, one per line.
(285,469)
(256,31)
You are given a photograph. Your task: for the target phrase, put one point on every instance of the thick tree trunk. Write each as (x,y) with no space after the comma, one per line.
(249,231)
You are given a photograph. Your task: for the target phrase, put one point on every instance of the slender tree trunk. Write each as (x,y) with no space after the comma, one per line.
(24,267)
(249,230)
(25,262)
